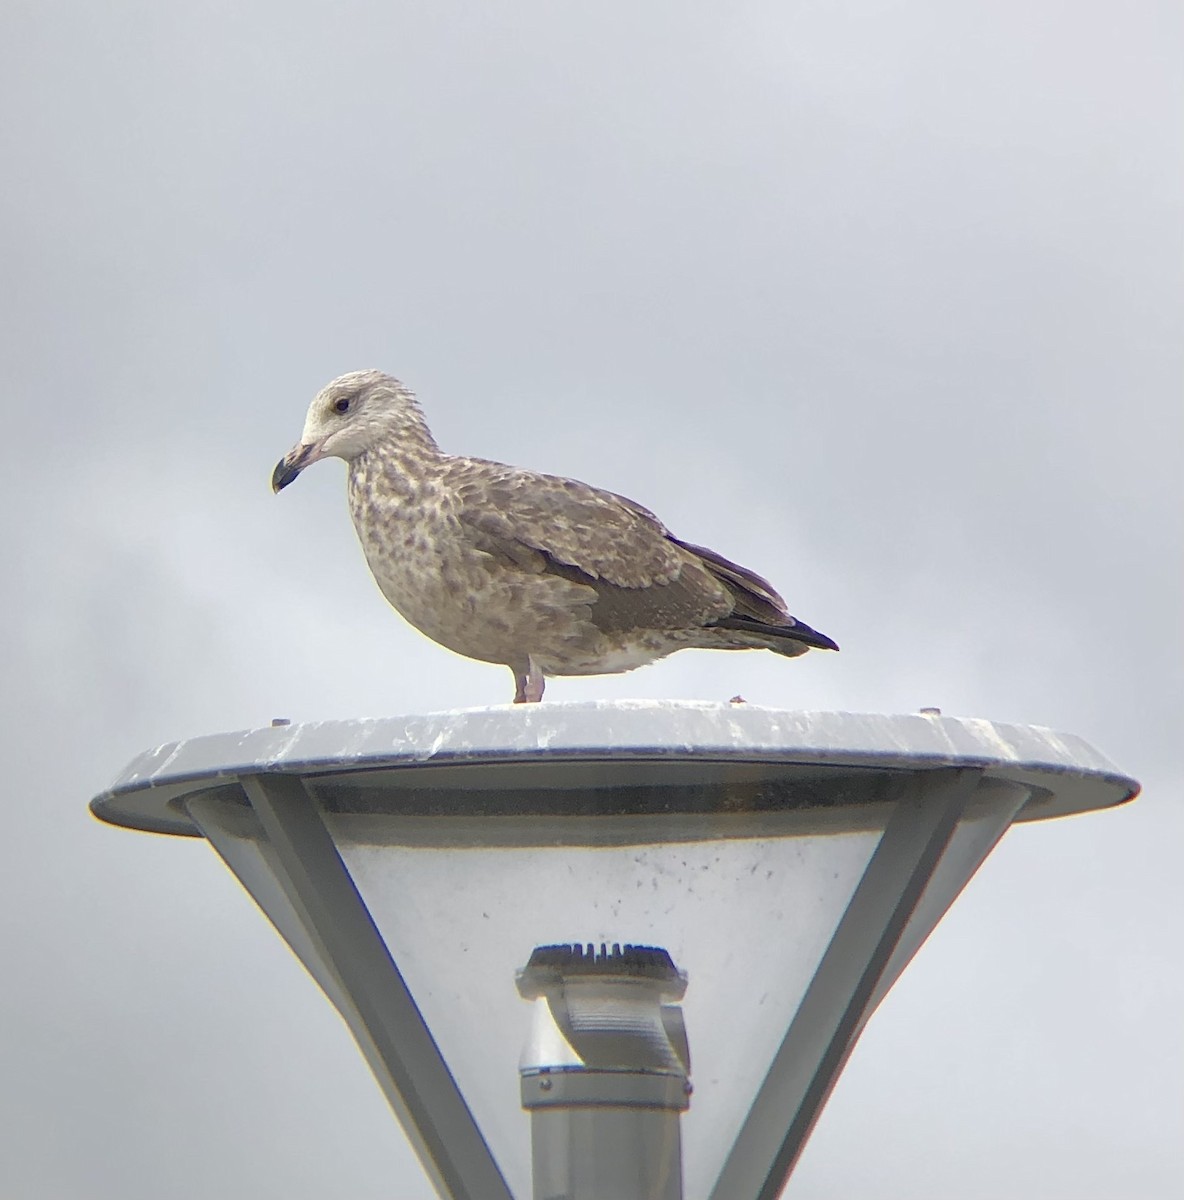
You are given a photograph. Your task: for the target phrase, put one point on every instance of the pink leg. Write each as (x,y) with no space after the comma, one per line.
(528,688)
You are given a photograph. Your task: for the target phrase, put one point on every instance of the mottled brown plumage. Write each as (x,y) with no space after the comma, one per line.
(546,575)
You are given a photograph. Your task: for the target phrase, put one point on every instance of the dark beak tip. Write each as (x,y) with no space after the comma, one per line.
(289,467)
(285,471)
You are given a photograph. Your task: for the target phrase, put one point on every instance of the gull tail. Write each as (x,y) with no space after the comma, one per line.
(791,639)
(759,610)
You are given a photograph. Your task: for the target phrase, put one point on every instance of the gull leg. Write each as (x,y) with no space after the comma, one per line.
(535,682)
(528,687)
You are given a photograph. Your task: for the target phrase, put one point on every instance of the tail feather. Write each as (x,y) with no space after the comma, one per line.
(755,597)
(797,633)
(758,609)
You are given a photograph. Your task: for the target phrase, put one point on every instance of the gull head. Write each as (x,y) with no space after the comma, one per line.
(346,418)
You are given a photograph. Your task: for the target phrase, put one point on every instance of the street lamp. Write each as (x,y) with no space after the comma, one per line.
(558,909)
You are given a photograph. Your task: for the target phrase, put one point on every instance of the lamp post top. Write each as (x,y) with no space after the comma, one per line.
(1065,774)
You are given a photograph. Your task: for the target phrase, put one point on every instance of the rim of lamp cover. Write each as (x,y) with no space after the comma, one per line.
(1064,773)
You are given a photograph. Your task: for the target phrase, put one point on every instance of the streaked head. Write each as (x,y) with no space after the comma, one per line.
(348,417)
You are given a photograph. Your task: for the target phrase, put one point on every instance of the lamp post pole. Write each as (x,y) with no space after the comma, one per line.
(605,1072)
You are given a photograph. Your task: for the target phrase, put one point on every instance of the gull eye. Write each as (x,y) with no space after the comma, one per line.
(342,405)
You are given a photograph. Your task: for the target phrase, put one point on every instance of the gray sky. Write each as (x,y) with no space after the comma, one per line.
(883,300)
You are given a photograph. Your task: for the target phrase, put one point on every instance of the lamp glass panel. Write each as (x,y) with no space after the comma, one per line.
(744,901)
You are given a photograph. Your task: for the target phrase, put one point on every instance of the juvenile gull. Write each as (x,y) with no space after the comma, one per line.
(546,575)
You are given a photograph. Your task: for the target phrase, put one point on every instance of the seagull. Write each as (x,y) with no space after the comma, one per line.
(545,575)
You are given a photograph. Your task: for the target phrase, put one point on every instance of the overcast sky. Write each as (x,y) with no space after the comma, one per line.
(881,299)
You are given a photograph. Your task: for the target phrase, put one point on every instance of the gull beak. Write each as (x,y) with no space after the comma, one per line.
(293,463)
